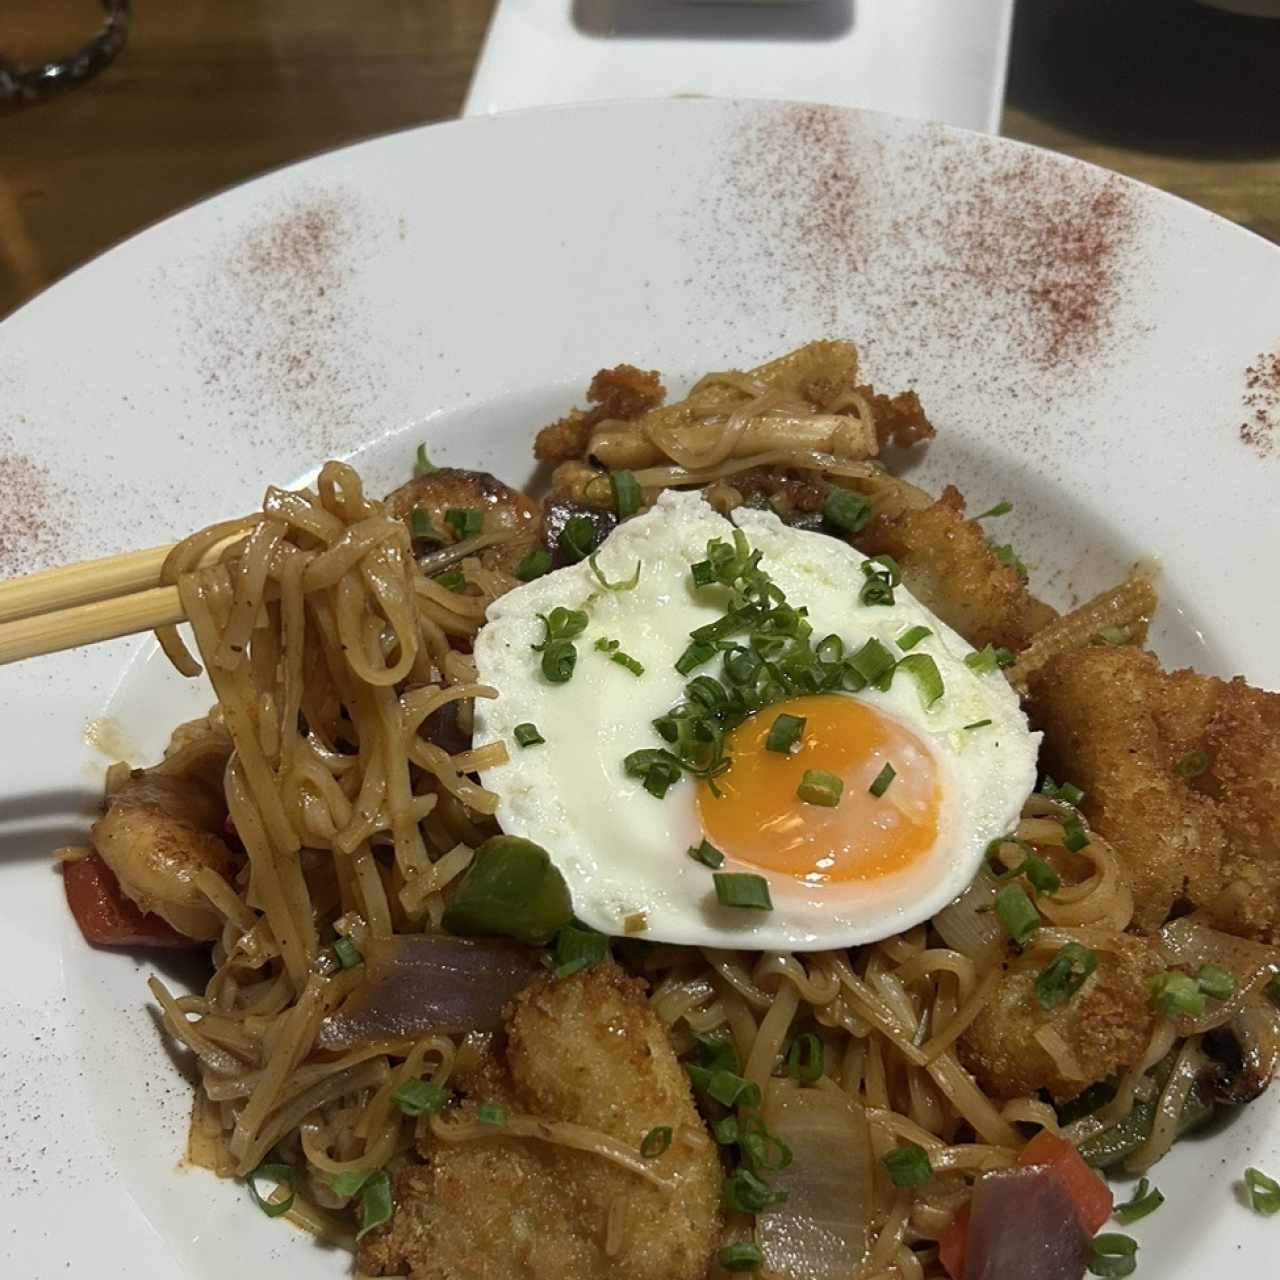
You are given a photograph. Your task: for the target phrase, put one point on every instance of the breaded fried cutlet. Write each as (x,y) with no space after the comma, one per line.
(949,566)
(586,1049)
(1106,1026)
(1181,773)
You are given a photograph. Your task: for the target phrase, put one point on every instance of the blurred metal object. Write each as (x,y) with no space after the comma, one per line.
(20,85)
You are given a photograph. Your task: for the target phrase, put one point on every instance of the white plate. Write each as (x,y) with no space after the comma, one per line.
(922,58)
(460,284)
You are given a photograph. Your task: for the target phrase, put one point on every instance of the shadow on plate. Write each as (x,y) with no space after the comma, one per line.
(33,826)
(1159,75)
(816,21)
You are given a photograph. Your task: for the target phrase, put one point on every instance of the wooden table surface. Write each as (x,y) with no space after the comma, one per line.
(210,92)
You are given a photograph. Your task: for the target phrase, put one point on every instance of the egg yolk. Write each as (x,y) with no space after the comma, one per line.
(759,819)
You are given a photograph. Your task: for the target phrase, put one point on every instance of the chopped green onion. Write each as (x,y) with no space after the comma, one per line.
(420,1098)
(559,659)
(1001,508)
(349,1181)
(345,950)
(744,1192)
(453,580)
(707,854)
(717,1053)
(1216,982)
(623,584)
(622,659)
(1016,914)
(728,1088)
(626,493)
(375,1202)
(285,1175)
(703,573)
(466,522)
(1008,556)
(578,538)
(512,889)
(491,1113)
(1175,995)
(805,1058)
(1064,975)
(1044,879)
(908,1165)
(1192,765)
(743,890)
(1074,836)
(634,665)
(527,735)
(534,565)
(1067,792)
(725,1130)
(882,780)
(659,770)
(576,947)
(656,1142)
(422,465)
(873,662)
(882,575)
(1263,1192)
(1145,1199)
(561,624)
(421,527)
(928,677)
(741,1256)
(845,510)
(1112,635)
(977,724)
(1272,990)
(784,733)
(694,656)
(1112,1256)
(989,658)
(820,788)
(912,637)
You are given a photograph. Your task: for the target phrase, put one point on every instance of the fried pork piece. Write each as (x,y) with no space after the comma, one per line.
(623,392)
(1127,732)
(588,1050)
(453,488)
(949,567)
(1105,1026)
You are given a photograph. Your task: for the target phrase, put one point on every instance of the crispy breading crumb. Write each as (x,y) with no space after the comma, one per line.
(623,392)
(1106,1026)
(585,1049)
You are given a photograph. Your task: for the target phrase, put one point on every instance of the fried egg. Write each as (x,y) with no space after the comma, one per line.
(883,858)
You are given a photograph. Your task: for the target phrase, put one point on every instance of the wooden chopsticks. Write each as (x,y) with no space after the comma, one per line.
(89,602)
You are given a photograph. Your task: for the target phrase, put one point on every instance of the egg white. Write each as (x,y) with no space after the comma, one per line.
(621,850)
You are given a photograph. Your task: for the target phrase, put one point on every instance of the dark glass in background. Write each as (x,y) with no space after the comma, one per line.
(26,75)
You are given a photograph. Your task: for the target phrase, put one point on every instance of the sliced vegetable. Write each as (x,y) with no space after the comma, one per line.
(418,985)
(534,565)
(1016,914)
(1090,1195)
(846,511)
(626,493)
(512,889)
(345,950)
(805,1059)
(1022,1223)
(375,1202)
(656,1142)
(106,917)
(743,1256)
(819,1232)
